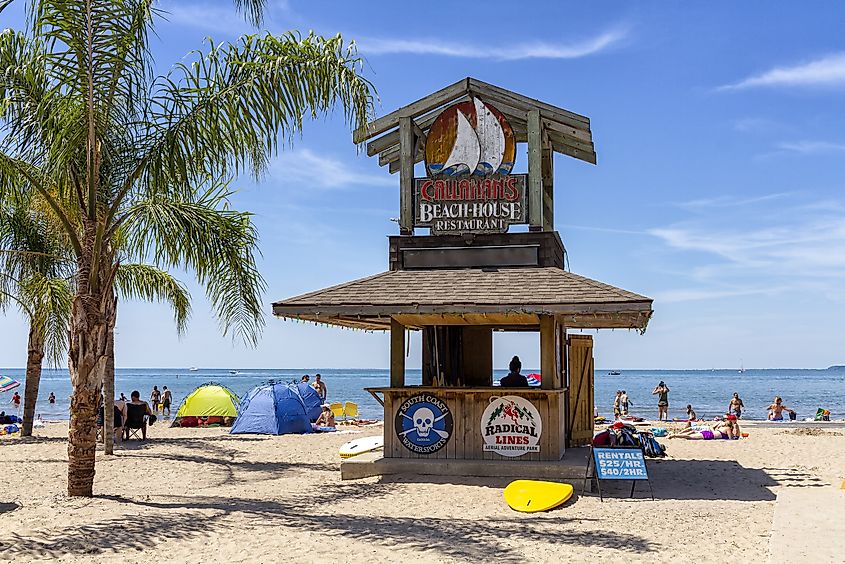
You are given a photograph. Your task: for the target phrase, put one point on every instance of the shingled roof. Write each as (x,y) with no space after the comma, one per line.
(503,296)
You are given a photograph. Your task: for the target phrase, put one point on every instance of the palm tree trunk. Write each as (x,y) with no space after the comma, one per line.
(108,387)
(87,361)
(34,357)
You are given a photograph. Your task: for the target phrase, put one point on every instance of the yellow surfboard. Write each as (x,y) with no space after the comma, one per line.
(530,496)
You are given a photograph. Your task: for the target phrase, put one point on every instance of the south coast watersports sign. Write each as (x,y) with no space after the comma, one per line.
(469,153)
(511,426)
(423,423)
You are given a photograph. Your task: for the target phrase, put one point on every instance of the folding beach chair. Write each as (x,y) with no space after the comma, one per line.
(136,422)
(350,410)
(337,409)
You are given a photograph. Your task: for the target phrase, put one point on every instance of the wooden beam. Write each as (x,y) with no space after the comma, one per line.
(406,176)
(535,171)
(548,352)
(578,121)
(397,354)
(430,102)
(391,138)
(548,168)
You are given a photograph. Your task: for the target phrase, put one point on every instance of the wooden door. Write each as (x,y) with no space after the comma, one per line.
(581,391)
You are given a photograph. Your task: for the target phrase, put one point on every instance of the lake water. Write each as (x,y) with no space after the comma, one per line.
(707,390)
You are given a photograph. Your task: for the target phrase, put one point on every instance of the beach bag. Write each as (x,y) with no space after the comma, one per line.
(659,432)
(792,415)
(602,439)
(651,448)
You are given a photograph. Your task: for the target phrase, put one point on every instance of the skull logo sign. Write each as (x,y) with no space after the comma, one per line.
(423,424)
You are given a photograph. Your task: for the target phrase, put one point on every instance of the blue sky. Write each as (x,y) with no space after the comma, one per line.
(718,190)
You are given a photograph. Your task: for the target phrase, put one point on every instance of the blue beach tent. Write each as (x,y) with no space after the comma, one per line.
(273,409)
(313,403)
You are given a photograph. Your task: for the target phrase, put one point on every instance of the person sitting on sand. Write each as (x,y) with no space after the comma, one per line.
(736,406)
(514,379)
(326,418)
(691,413)
(776,410)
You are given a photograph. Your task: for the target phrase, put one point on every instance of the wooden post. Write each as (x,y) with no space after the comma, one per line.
(406,175)
(548,167)
(397,354)
(548,354)
(535,171)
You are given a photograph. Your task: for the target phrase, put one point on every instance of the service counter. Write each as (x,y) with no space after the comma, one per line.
(483,423)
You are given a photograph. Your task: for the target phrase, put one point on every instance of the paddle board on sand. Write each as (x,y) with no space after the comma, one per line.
(358,446)
(530,496)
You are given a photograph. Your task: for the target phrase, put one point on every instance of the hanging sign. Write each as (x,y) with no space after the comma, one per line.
(511,426)
(469,154)
(423,423)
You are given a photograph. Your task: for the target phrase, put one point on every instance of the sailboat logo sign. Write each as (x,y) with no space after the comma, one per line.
(469,153)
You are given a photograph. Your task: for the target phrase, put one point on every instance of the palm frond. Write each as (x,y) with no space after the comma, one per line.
(148,283)
(217,243)
(48,302)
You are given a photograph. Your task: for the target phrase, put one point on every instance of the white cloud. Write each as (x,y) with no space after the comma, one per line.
(318,171)
(729,201)
(511,52)
(811,147)
(827,71)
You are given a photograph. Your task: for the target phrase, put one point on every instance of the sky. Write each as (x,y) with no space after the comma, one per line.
(718,190)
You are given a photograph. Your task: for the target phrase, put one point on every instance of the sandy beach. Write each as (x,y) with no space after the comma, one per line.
(202,495)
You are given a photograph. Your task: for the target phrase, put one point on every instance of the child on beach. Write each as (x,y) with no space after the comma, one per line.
(691,413)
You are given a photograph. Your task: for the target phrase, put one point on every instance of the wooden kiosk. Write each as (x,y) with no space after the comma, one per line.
(470,277)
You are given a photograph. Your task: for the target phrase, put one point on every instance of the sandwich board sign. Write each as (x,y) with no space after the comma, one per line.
(617,463)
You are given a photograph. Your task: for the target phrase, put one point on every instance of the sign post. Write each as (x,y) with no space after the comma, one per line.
(617,463)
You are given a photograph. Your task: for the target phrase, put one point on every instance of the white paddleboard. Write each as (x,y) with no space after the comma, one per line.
(358,446)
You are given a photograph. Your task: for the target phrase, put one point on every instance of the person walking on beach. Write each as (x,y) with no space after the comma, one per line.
(320,386)
(624,402)
(52,398)
(736,406)
(155,398)
(165,401)
(776,410)
(617,405)
(662,393)
(514,379)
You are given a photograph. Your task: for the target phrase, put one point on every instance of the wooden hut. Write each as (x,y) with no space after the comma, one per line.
(471,276)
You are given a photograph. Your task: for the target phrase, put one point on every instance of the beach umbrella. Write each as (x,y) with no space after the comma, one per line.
(7,384)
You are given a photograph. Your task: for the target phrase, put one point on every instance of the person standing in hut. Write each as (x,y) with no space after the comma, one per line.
(662,393)
(514,379)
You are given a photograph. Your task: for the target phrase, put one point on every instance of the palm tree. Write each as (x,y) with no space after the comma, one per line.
(125,159)
(35,274)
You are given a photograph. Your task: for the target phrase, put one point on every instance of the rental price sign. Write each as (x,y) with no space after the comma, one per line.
(620,464)
(470,204)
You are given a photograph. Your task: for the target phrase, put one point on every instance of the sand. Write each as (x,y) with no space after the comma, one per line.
(189,495)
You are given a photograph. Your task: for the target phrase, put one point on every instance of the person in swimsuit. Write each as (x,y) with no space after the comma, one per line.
(662,393)
(691,413)
(52,398)
(16,400)
(166,398)
(617,408)
(727,429)
(776,410)
(320,387)
(736,406)
(326,418)
(625,402)
(155,398)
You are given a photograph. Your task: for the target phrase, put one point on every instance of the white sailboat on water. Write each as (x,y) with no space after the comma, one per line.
(741,367)
(478,150)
